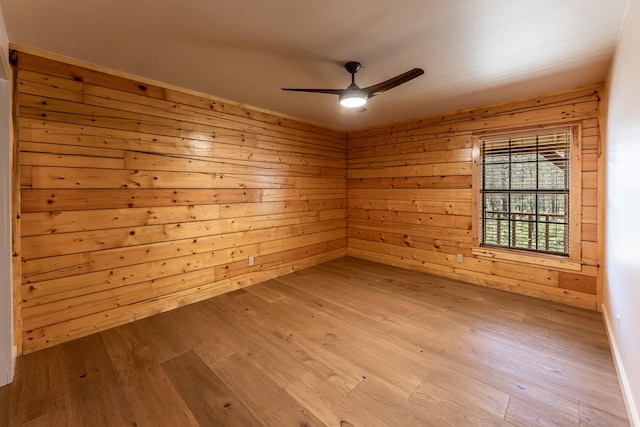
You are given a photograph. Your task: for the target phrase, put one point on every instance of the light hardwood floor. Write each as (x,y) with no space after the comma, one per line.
(346,343)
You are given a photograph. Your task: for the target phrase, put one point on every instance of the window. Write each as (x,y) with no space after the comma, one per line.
(525,192)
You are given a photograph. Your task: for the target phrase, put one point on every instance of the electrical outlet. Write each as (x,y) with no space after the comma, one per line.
(460,258)
(618,325)
(250,261)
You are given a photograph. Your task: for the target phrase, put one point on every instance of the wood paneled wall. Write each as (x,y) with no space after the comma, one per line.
(137,198)
(410,196)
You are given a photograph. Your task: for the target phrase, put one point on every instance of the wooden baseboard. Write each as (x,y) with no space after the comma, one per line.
(632,409)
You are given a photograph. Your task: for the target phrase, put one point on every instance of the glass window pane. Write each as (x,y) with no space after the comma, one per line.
(523,204)
(526,192)
(491,231)
(552,237)
(552,204)
(552,176)
(496,176)
(523,176)
(496,202)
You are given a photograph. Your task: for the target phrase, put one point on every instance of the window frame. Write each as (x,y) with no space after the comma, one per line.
(571,261)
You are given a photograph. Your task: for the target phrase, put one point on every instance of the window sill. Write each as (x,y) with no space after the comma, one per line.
(544,260)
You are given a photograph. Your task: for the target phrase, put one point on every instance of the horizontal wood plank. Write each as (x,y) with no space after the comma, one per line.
(137,199)
(71,200)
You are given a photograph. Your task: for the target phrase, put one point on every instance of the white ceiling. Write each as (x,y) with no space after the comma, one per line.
(473,51)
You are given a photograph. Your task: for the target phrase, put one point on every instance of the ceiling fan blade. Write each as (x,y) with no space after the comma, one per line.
(330,91)
(393,82)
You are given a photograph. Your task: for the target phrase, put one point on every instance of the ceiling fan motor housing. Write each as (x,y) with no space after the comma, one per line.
(352,67)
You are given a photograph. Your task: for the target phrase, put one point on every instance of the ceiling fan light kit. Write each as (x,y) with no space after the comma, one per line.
(355,97)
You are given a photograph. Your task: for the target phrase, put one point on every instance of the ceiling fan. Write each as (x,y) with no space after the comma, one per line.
(354,96)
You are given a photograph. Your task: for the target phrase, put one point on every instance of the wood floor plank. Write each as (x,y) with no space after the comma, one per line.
(439,401)
(337,337)
(7,394)
(448,386)
(266,348)
(524,413)
(151,397)
(590,416)
(166,341)
(271,404)
(491,399)
(51,419)
(392,408)
(209,399)
(163,339)
(39,389)
(96,397)
(291,327)
(285,327)
(267,293)
(330,405)
(349,343)
(470,321)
